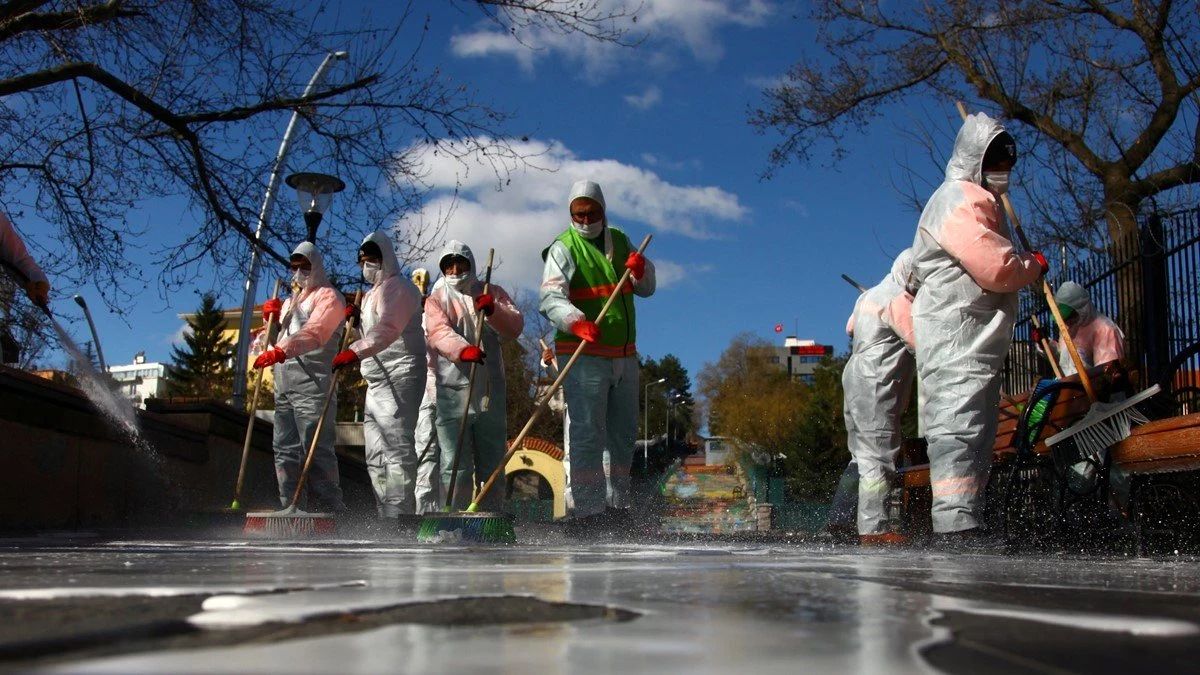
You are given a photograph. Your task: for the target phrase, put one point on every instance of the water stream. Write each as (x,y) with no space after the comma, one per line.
(116,410)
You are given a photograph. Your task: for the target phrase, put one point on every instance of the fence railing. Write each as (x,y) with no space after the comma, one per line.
(1150,287)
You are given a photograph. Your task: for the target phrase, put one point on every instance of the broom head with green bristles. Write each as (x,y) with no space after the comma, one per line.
(484,527)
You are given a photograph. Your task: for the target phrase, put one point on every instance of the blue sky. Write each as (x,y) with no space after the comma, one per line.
(662,126)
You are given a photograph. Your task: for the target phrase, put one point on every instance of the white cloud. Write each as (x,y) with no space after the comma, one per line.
(661,26)
(525,216)
(646,100)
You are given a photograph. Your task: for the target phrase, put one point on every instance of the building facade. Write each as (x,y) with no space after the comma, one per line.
(140,380)
(799,358)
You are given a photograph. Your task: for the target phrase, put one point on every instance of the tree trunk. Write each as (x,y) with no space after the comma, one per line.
(1125,248)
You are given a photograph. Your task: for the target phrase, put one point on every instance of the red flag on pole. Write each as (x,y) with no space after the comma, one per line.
(778,328)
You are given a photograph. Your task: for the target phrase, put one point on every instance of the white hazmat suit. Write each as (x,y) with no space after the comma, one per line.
(393,360)
(450,328)
(310,332)
(876,382)
(963,320)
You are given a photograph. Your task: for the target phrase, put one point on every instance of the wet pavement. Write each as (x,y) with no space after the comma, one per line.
(549,605)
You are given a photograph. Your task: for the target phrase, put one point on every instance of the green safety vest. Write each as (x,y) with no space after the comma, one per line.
(594,281)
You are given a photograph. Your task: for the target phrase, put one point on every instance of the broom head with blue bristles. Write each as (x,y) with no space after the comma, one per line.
(483,527)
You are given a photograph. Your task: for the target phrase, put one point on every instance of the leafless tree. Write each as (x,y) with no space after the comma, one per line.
(111,107)
(1110,88)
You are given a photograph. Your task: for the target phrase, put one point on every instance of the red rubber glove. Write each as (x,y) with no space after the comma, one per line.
(38,292)
(352,313)
(1041,260)
(1037,336)
(270,357)
(344,358)
(471,354)
(587,331)
(271,310)
(636,264)
(485,303)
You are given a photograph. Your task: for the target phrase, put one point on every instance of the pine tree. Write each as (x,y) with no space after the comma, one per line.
(203,369)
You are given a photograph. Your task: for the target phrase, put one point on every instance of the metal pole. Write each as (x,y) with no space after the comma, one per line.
(95,337)
(264,216)
(646,422)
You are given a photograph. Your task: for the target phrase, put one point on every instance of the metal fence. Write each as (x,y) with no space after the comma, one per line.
(1156,279)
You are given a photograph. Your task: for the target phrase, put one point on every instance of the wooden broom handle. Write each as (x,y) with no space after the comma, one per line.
(258,380)
(462,424)
(562,374)
(1064,334)
(1050,353)
(312,448)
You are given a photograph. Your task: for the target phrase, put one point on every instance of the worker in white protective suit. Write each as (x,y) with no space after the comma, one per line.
(452,311)
(429,479)
(14,254)
(391,354)
(582,267)
(15,257)
(963,319)
(1098,340)
(310,330)
(876,382)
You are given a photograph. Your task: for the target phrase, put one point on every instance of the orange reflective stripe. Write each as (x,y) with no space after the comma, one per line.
(596,292)
(954,486)
(568,347)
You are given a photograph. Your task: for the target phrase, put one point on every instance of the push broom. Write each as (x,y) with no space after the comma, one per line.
(462,423)
(291,521)
(496,528)
(1104,424)
(258,380)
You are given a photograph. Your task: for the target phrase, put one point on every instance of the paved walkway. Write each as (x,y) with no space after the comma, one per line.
(549,606)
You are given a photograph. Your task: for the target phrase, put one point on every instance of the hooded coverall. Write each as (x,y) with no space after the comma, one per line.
(876,382)
(601,389)
(13,252)
(310,332)
(450,327)
(963,320)
(429,480)
(392,355)
(1097,339)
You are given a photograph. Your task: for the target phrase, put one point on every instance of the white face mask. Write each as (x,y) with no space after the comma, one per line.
(370,272)
(300,279)
(996,181)
(589,230)
(458,281)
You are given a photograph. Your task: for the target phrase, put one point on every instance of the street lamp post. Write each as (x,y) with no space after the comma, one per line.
(264,216)
(646,422)
(315,191)
(672,397)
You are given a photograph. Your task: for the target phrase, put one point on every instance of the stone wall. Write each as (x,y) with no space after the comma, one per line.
(65,467)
